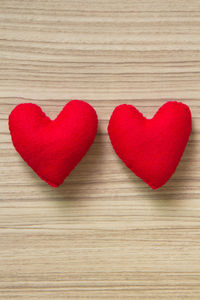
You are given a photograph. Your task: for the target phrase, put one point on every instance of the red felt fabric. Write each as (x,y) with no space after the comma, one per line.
(151,148)
(52,148)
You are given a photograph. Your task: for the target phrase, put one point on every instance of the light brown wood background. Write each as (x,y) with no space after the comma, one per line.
(104,234)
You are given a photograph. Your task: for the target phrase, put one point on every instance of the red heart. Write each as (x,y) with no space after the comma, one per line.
(53,148)
(151,148)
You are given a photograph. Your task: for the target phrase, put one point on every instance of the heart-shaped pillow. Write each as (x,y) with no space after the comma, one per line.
(52,148)
(151,148)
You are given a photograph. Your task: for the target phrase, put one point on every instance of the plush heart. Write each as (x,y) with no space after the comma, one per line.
(151,148)
(52,148)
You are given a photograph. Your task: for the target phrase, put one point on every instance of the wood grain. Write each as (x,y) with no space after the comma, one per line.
(104,234)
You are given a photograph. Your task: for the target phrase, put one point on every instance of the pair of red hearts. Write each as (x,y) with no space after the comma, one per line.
(151,148)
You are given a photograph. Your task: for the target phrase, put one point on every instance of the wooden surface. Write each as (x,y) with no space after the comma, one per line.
(104,234)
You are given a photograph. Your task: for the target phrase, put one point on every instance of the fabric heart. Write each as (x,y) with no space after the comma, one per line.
(151,148)
(52,148)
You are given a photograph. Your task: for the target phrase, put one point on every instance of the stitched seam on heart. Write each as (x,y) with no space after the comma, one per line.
(51,183)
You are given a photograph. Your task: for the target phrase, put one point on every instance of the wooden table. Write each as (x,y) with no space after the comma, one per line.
(104,234)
